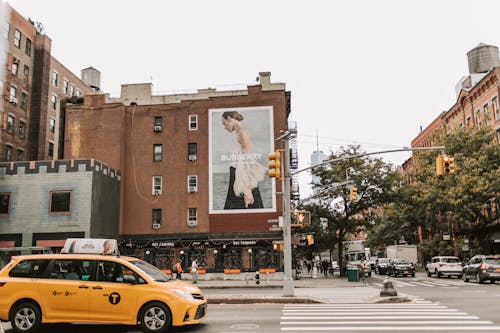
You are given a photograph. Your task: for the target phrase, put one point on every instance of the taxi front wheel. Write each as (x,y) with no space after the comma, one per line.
(26,317)
(155,317)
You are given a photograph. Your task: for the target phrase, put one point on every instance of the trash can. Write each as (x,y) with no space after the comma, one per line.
(352,274)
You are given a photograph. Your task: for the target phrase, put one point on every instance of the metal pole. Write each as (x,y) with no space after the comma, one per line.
(288,290)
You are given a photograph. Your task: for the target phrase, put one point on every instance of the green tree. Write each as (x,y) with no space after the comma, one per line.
(377,183)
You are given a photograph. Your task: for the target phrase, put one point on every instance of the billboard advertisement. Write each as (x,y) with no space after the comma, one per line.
(240,140)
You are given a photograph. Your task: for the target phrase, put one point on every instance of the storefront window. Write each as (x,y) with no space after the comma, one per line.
(232,258)
(198,254)
(265,258)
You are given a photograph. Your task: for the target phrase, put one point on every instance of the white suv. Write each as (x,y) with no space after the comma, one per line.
(444,265)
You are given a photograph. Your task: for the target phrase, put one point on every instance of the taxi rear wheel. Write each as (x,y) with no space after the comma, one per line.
(155,317)
(26,317)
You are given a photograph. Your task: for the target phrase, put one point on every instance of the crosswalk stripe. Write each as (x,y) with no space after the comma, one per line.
(392,328)
(389,322)
(352,317)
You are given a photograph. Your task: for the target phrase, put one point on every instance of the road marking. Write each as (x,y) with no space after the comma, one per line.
(392,328)
(388,322)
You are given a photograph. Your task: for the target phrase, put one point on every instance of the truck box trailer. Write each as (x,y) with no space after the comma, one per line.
(403,251)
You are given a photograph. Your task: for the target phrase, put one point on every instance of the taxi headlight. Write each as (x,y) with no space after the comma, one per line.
(183,293)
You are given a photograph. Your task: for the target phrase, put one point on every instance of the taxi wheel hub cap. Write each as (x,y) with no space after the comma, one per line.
(25,318)
(155,318)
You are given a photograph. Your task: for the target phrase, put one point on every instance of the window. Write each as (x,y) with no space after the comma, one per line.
(27,49)
(192,151)
(157,185)
(78,93)
(20,155)
(192,183)
(467,121)
(52,125)
(158,124)
(157,152)
(71,269)
(71,90)
(4,203)
(156,218)
(10,124)
(65,86)
(17,38)
(22,129)
(15,67)
(6,30)
(60,201)
(494,101)
(478,119)
(12,93)
(193,122)
(26,70)
(54,79)
(8,153)
(24,101)
(192,216)
(51,149)
(486,115)
(32,268)
(53,101)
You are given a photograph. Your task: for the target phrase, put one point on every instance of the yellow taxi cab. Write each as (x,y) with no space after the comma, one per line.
(81,287)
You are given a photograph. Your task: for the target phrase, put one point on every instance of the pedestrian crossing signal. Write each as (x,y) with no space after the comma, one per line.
(300,218)
(310,240)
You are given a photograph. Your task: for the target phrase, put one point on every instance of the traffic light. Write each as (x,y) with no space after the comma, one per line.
(353,193)
(448,165)
(275,165)
(439,165)
(300,218)
(445,165)
(310,239)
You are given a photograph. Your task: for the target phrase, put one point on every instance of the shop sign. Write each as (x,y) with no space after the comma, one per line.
(244,242)
(162,244)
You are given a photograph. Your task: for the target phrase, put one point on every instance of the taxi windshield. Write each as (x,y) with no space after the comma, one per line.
(151,270)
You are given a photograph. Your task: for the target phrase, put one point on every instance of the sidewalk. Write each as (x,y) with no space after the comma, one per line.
(306,290)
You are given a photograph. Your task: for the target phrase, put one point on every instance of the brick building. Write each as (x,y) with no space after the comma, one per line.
(175,156)
(477,97)
(33,86)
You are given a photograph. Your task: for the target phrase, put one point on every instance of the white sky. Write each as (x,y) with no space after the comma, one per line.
(363,72)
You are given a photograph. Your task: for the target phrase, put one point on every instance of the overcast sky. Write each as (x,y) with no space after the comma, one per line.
(362,72)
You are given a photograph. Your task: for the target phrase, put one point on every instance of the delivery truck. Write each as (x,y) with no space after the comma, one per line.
(403,251)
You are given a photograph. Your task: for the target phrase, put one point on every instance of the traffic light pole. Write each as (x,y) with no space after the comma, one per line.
(288,290)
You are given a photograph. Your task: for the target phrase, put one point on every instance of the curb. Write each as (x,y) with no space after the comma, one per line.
(242,299)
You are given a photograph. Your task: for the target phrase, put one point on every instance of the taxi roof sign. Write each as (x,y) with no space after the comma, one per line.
(91,246)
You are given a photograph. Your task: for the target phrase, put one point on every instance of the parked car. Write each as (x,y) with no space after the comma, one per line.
(444,265)
(482,267)
(400,267)
(381,265)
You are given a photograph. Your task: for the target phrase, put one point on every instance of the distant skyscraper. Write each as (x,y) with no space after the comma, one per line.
(316,158)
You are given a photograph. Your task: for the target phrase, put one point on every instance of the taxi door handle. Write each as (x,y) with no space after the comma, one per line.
(83,286)
(97,287)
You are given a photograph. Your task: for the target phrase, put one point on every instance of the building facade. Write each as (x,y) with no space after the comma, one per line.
(187,162)
(44,202)
(33,85)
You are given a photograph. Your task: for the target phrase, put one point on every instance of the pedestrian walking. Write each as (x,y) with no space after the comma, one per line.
(362,270)
(178,270)
(194,271)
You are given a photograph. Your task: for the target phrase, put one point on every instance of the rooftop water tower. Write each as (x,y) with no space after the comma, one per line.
(92,77)
(483,58)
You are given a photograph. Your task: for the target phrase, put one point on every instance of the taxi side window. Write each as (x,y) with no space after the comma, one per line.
(68,269)
(109,271)
(35,268)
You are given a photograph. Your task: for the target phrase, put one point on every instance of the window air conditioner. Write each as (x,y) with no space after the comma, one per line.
(156,226)
(193,189)
(156,191)
(13,100)
(192,157)
(191,223)
(157,128)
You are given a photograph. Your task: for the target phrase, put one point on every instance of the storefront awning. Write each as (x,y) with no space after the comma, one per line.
(51,242)
(7,243)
